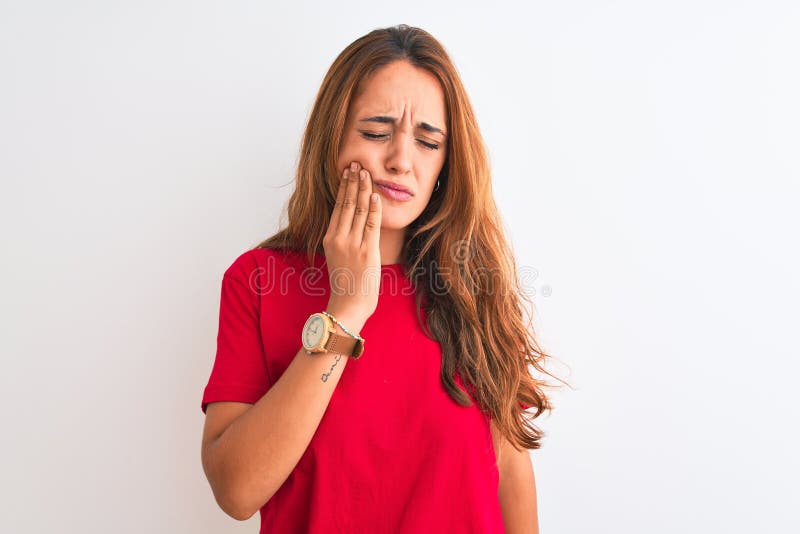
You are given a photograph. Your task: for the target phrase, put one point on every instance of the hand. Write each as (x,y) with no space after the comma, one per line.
(351,245)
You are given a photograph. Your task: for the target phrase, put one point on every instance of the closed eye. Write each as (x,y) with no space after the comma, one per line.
(429,146)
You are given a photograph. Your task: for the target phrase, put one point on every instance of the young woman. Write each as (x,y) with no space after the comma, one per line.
(393,257)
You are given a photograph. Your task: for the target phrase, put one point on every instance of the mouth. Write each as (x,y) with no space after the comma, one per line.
(393,191)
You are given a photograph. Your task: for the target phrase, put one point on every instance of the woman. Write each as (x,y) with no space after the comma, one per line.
(392,233)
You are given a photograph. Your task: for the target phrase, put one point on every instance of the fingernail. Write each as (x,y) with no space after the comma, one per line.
(354,166)
(363,174)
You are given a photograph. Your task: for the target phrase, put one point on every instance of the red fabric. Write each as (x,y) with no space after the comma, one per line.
(393,452)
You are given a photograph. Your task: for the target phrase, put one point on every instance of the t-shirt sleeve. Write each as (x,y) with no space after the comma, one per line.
(239,372)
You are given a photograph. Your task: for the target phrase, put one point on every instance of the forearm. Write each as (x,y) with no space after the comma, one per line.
(255,455)
(517,494)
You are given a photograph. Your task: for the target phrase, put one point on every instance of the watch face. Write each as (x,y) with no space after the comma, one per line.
(313,331)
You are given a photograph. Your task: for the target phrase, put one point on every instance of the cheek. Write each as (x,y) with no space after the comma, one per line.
(432,171)
(347,151)
(355,148)
(366,156)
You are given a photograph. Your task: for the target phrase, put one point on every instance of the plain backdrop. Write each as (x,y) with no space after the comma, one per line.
(645,162)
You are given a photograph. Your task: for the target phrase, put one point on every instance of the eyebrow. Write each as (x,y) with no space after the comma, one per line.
(384,119)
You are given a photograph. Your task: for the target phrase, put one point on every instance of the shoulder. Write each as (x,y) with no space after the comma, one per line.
(256,265)
(248,263)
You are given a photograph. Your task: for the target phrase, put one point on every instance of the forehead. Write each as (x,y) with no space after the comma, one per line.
(399,89)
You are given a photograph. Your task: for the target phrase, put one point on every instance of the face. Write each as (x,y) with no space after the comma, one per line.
(391,130)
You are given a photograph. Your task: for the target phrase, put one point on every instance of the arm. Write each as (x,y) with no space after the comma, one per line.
(517,490)
(249,451)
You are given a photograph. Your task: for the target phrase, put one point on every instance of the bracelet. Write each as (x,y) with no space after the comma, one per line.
(332,318)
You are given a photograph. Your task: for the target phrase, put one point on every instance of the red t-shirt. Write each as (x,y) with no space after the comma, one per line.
(393,452)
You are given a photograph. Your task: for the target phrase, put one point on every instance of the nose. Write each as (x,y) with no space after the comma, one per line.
(400,151)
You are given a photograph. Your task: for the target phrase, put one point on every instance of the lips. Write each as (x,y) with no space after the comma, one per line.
(393,194)
(391,185)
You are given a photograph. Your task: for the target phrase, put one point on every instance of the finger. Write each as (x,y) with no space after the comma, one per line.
(349,202)
(337,207)
(362,204)
(372,229)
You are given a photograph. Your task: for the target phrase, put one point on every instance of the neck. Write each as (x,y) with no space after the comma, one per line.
(391,245)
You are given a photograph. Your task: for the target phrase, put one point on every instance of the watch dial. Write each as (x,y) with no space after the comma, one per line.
(313,331)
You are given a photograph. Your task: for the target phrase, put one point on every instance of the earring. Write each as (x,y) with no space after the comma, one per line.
(437,186)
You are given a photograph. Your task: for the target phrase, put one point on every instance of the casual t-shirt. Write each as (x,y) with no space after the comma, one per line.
(393,453)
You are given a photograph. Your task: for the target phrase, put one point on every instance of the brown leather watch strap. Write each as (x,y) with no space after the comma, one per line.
(340,344)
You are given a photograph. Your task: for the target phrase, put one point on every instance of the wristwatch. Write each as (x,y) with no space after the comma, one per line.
(319,335)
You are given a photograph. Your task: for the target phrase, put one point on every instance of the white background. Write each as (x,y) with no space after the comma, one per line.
(645,159)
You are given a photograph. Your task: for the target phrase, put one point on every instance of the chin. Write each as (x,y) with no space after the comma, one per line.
(395,220)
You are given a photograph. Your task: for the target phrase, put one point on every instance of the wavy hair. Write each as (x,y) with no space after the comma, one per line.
(457,254)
